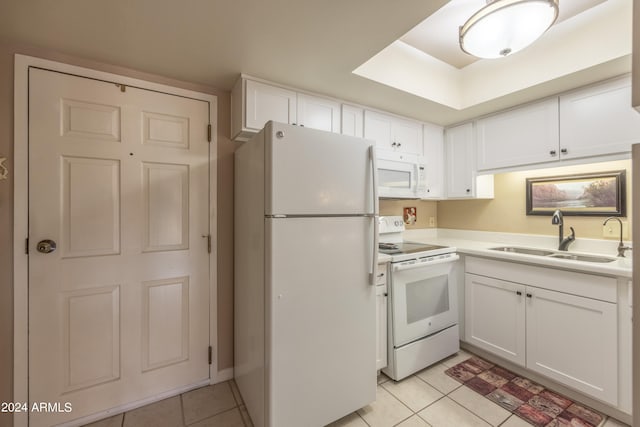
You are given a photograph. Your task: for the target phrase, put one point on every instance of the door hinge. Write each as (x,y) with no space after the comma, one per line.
(209,132)
(26,246)
(209,243)
(123,88)
(210,355)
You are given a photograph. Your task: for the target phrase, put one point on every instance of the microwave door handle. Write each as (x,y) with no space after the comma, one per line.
(425,264)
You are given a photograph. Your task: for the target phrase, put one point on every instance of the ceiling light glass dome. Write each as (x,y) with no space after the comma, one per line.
(504,27)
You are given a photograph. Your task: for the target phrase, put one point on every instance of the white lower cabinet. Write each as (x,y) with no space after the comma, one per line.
(572,339)
(495,316)
(381,317)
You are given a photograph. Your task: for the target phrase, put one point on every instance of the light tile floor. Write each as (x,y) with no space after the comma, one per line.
(430,398)
(219,405)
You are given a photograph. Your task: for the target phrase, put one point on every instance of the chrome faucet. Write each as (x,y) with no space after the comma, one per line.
(621,246)
(563,242)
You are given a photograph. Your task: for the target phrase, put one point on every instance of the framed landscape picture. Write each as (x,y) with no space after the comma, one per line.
(595,194)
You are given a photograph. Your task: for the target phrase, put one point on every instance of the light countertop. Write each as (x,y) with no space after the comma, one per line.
(382,258)
(478,243)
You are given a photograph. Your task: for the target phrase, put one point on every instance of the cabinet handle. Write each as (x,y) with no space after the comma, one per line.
(529,295)
(381,275)
(394,144)
(564,150)
(428,191)
(386,294)
(552,152)
(519,293)
(399,145)
(468,190)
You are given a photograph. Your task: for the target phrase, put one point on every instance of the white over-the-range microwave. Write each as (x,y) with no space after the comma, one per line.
(401,176)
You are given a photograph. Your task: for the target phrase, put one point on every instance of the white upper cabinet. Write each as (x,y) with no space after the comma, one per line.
(318,113)
(434,160)
(460,162)
(598,120)
(461,177)
(254,103)
(352,121)
(392,133)
(521,136)
(265,102)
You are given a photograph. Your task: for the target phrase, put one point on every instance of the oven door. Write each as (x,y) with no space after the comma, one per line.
(423,299)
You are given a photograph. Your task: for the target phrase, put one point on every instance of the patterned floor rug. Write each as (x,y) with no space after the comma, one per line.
(528,400)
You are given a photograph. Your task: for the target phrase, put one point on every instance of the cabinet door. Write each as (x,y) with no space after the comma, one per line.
(352,121)
(407,135)
(520,136)
(460,161)
(318,113)
(393,134)
(265,102)
(495,316)
(377,127)
(573,340)
(434,161)
(598,120)
(381,326)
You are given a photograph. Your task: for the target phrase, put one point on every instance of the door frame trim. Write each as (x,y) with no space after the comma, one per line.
(21,211)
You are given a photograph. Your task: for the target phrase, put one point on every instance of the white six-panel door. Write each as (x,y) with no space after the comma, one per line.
(119,312)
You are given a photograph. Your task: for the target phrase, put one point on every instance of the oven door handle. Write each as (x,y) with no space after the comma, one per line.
(400,267)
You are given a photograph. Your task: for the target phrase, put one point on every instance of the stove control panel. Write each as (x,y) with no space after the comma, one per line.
(390,224)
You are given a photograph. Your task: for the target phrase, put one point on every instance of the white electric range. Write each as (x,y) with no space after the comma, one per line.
(423,303)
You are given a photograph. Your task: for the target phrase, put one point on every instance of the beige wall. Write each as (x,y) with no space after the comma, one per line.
(507,211)
(225,206)
(635,67)
(424,211)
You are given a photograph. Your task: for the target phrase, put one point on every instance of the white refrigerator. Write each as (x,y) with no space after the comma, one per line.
(305,254)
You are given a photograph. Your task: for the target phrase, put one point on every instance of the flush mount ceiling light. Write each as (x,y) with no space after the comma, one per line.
(504,27)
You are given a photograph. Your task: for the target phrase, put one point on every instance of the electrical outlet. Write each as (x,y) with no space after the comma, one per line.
(432,221)
(612,230)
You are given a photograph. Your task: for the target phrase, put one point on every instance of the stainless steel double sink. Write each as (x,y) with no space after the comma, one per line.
(554,254)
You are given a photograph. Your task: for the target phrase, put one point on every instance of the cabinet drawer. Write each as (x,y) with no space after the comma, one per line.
(586,285)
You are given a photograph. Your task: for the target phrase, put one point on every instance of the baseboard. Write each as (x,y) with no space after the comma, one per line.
(133,405)
(224,375)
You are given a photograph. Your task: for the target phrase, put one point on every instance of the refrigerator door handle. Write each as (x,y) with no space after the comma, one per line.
(374,179)
(374,218)
(374,252)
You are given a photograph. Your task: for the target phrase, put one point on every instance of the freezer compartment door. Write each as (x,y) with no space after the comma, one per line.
(312,172)
(321,344)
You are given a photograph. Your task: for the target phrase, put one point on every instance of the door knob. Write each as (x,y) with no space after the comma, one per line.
(46,246)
